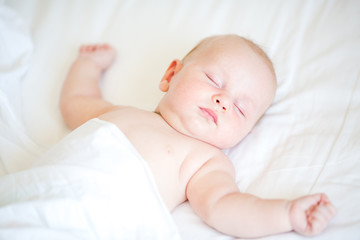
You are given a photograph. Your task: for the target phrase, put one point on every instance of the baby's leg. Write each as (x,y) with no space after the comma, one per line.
(81,98)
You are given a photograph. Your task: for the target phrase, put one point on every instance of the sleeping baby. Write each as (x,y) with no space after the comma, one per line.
(212,99)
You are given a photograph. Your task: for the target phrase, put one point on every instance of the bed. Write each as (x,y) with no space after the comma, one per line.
(307,142)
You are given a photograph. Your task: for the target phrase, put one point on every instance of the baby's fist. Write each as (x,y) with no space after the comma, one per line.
(311,214)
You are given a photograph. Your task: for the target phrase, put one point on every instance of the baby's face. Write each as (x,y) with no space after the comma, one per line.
(218,95)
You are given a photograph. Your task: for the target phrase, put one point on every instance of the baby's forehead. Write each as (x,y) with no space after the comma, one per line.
(219,43)
(208,44)
(222,48)
(235,51)
(232,45)
(223,52)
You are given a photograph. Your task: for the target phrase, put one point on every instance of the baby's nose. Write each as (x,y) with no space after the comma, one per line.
(221,101)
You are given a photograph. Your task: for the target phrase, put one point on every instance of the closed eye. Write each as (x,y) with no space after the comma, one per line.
(238,109)
(214,82)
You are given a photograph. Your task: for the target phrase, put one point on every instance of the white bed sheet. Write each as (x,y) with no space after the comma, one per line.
(309,140)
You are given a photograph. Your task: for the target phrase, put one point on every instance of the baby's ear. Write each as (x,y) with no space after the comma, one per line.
(175,67)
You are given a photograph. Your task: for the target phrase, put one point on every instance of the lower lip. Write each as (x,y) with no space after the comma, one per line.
(208,115)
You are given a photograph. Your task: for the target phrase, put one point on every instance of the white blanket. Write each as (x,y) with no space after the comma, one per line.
(92,185)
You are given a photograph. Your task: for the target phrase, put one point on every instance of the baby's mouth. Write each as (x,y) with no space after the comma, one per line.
(209,114)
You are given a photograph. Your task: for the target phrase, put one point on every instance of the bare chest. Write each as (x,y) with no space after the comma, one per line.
(172,157)
(168,158)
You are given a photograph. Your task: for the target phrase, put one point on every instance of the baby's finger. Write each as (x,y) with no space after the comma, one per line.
(322,214)
(310,200)
(328,210)
(324,198)
(331,208)
(316,224)
(82,48)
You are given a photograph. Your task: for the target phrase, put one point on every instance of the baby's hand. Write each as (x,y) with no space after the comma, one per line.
(101,54)
(311,214)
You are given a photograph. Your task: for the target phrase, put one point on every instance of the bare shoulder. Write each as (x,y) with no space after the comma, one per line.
(134,121)
(217,161)
(119,110)
(122,113)
(215,177)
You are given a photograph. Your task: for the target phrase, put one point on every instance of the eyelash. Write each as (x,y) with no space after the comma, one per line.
(218,85)
(240,110)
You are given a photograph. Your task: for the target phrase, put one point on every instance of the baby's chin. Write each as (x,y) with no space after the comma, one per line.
(224,146)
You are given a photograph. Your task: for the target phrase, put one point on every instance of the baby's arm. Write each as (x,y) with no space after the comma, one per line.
(214,196)
(81,98)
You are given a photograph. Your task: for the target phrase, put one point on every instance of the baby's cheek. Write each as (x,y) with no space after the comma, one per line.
(232,137)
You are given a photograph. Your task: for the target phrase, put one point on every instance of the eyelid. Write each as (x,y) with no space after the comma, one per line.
(242,112)
(214,81)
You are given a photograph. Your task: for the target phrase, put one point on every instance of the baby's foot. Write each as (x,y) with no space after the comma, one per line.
(101,54)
